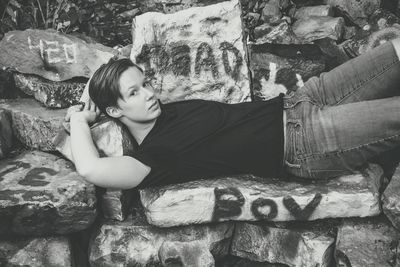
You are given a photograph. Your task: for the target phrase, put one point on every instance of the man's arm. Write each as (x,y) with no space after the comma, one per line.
(111,172)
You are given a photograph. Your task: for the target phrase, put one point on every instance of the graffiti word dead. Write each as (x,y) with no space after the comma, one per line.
(230,201)
(54,52)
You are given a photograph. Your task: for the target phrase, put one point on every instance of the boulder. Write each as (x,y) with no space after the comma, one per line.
(309,11)
(279,34)
(42,194)
(293,247)
(52,55)
(359,10)
(135,243)
(116,204)
(189,54)
(271,13)
(51,94)
(32,124)
(249,198)
(172,6)
(391,199)
(6,136)
(36,252)
(367,243)
(282,68)
(313,28)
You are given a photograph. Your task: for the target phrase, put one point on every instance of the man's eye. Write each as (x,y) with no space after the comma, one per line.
(133,93)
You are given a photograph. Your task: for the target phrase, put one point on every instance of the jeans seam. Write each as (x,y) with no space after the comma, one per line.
(384,69)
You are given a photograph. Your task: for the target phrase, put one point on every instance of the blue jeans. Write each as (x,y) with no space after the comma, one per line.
(339,121)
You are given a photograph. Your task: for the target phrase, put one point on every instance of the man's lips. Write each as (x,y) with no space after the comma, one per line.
(153,105)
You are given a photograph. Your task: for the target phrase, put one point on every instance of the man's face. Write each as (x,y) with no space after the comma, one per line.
(138,103)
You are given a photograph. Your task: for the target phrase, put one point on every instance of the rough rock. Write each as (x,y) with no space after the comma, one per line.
(172,6)
(51,94)
(249,198)
(293,247)
(36,252)
(42,194)
(6,136)
(322,10)
(189,54)
(391,199)
(271,13)
(32,124)
(135,243)
(51,54)
(279,34)
(367,243)
(359,10)
(116,204)
(314,27)
(281,69)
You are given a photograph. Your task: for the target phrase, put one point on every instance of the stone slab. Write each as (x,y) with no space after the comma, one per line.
(116,204)
(6,136)
(51,94)
(275,34)
(41,193)
(293,247)
(307,11)
(36,252)
(367,243)
(391,199)
(32,124)
(249,198)
(282,68)
(190,55)
(52,55)
(313,28)
(135,243)
(359,10)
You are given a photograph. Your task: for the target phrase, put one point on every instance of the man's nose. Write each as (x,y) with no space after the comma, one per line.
(149,92)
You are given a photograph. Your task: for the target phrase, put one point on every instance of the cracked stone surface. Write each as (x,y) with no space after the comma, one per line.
(249,198)
(315,27)
(41,193)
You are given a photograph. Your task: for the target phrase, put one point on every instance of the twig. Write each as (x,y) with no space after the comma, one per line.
(41,12)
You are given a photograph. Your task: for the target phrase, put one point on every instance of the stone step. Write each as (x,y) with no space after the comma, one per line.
(249,198)
(135,243)
(36,252)
(32,124)
(293,247)
(41,193)
(367,243)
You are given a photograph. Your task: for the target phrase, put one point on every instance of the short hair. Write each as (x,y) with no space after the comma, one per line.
(104,87)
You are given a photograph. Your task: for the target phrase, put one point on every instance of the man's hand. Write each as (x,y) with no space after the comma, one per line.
(87,112)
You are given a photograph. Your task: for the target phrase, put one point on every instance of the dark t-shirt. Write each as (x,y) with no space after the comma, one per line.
(203,139)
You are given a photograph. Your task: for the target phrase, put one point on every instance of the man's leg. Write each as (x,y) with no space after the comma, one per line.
(373,75)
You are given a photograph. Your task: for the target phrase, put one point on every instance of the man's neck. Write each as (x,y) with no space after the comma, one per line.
(139,130)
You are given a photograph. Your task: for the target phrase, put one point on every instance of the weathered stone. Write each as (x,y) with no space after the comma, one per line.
(249,198)
(367,243)
(42,194)
(349,32)
(271,13)
(391,199)
(251,20)
(322,10)
(116,204)
(33,125)
(6,136)
(189,54)
(172,6)
(238,262)
(286,246)
(36,252)
(51,94)
(135,243)
(281,69)
(51,54)
(359,10)
(313,28)
(280,34)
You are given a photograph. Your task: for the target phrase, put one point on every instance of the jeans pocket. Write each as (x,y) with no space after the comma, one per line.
(295,147)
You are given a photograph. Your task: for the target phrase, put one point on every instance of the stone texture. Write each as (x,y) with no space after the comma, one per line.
(6,136)
(249,198)
(367,243)
(32,124)
(271,13)
(262,243)
(189,54)
(42,194)
(313,28)
(51,94)
(359,10)
(135,243)
(116,204)
(391,199)
(36,252)
(172,6)
(322,10)
(51,54)
(280,34)
(281,69)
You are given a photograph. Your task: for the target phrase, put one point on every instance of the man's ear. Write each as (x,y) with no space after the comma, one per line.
(114,112)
